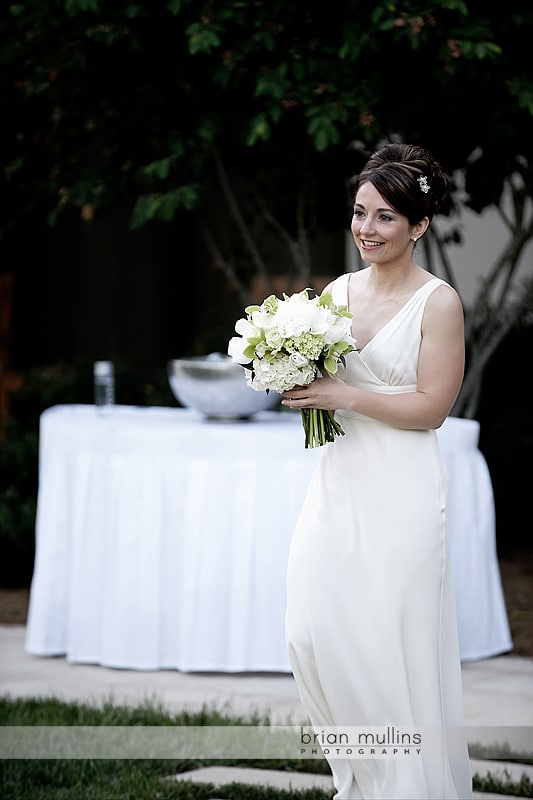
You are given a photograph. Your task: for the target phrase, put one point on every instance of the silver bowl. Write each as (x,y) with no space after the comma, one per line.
(216,386)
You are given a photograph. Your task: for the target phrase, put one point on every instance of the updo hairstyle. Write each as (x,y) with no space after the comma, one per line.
(408,178)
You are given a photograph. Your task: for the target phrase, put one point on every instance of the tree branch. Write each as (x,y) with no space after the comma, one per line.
(228,269)
(237,215)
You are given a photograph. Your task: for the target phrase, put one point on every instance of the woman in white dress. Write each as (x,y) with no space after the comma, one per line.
(371,625)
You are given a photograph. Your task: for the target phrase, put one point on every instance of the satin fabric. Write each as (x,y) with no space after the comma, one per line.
(371,621)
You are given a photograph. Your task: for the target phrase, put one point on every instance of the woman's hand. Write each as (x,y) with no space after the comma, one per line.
(325,392)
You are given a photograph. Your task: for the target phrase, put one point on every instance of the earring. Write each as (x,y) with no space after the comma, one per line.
(415,239)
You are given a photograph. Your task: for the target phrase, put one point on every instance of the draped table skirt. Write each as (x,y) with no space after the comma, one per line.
(162,539)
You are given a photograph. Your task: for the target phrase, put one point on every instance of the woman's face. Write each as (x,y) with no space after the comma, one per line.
(379,231)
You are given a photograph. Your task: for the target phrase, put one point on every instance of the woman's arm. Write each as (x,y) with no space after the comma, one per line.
(440,374)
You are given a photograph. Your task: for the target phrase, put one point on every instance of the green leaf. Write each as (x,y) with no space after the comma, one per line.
(259,129)
(133,10)
(72,7)
(323,131)
(522,89)
(160,169)
(330,365)
(272,84)
(163,206)
(249,351)
(480,50)
(202,38)
(174,6)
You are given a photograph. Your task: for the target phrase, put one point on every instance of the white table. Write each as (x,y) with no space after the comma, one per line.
(162,540)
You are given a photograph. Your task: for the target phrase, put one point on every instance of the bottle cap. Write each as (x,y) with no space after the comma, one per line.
(103,369)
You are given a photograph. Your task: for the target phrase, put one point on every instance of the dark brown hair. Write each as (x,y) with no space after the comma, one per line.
(408,178)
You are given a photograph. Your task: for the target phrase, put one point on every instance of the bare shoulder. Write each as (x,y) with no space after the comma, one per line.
(445,300)
(443,312)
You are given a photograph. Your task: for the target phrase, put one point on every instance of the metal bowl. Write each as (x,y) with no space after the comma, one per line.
(216,386)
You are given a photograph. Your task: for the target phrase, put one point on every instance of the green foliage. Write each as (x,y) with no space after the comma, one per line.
(73,7)
(322,126)
(202,39)
(260,129)
(136,106)
(520,87)
(163,206)
(107,103)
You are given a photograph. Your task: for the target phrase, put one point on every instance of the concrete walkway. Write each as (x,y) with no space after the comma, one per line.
(498,692)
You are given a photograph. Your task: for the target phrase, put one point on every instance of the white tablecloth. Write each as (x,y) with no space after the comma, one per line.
(481,614)
(162,540)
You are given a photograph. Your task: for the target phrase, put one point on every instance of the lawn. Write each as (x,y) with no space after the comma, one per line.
(149,778)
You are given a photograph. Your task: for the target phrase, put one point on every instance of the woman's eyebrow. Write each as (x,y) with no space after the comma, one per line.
(390,210)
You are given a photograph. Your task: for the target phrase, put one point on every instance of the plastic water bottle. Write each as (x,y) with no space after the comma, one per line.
(104,384)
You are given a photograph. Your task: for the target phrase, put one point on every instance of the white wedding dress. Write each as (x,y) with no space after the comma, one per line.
(371,624)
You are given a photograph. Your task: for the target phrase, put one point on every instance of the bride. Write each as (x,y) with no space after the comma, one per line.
(370,623)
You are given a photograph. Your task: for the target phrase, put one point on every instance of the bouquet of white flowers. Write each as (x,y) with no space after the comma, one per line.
(288,342)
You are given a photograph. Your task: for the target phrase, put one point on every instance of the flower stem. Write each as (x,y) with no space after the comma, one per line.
(320,427)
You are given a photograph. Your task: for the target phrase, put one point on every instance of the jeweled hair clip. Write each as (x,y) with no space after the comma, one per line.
(423,183)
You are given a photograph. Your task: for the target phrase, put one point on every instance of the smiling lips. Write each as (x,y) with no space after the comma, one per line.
(369,243)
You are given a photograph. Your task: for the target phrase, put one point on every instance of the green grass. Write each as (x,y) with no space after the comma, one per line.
(136,779)
(147,779)
(504,785)
(499,752)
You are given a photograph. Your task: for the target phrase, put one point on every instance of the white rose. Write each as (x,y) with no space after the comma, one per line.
(274,339)
(298,360)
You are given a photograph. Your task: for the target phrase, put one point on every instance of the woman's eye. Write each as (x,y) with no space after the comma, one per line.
(385,218)
(357,213)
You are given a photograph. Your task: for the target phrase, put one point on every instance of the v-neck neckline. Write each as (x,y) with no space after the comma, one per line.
(395,315)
